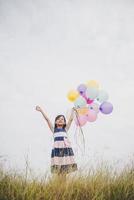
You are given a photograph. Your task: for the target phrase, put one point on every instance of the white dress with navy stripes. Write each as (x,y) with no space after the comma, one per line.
(62,155)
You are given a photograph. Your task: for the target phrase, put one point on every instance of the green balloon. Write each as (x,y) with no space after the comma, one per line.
(91,93)
(102,96)
(80,102)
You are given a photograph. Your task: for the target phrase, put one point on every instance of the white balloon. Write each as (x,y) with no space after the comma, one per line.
(94,106)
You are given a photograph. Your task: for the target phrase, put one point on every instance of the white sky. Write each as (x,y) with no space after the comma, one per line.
(46,49)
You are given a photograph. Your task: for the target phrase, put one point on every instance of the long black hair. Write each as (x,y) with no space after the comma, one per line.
(55,125)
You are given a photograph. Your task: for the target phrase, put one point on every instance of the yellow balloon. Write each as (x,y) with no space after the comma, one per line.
(93,83)
(72,95)
(82,111)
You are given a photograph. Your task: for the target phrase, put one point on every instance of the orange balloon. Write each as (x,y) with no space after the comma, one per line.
(82,111)
(93,84)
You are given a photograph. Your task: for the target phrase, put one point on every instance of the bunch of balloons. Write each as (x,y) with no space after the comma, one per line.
(88,101)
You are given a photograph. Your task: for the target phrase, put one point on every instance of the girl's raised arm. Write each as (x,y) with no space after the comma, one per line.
(70,119)
(46,118)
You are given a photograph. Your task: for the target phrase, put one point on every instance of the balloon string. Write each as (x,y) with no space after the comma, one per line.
(77,115)
(76,139)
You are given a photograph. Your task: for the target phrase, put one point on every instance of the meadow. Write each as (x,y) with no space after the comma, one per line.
(103,183)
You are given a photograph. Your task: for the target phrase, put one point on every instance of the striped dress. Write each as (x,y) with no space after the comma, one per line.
(62,155)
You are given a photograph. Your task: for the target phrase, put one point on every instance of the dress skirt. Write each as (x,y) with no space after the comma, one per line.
(62,156)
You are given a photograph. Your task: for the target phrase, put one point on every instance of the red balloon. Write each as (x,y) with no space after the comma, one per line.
(87,99)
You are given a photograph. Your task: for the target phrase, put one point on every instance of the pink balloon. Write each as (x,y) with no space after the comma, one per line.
(91,116)
(81,120)
(89,101)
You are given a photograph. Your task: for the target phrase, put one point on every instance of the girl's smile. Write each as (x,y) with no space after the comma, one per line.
(60,121)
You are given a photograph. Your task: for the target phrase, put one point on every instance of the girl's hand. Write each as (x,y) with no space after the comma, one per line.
(74,109)
(38,108)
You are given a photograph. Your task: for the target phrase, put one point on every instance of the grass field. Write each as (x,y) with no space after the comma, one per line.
(99,184)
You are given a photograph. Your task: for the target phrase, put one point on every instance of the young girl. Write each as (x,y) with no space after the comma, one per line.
(62,155)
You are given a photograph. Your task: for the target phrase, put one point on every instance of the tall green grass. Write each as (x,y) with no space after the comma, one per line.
(102,183)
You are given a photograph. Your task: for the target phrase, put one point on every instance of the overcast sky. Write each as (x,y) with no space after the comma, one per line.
(48,47)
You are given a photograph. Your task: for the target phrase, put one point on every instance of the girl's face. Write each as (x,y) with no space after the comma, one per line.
(60,121)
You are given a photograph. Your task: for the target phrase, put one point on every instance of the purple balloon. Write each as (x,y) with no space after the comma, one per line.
(106,108)
(82,89)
